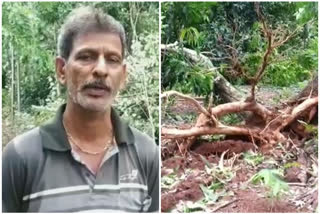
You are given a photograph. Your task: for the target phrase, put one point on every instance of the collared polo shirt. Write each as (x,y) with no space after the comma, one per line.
(40,174)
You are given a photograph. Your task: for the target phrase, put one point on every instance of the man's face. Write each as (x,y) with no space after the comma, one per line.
(94,72)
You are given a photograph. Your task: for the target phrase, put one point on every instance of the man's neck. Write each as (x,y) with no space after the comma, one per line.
(89,126)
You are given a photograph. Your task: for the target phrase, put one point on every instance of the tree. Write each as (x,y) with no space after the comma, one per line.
(229,35)
(266,126)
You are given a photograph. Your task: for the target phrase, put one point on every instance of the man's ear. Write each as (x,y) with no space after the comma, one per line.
(61,70)
(123,77)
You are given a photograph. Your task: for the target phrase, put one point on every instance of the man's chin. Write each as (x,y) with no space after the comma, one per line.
(95,105)
(95,108)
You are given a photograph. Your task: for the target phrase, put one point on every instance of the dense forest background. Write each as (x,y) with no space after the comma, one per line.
(229,34)
(30,92)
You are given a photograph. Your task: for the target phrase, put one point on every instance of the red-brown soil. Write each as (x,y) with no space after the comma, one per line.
(250,201)
(231,146)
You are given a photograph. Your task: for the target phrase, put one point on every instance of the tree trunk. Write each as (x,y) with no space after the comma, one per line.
(226,92)
(18,87)
(58,88)
(311,90)
(12,84)
(134,15)
(222,87)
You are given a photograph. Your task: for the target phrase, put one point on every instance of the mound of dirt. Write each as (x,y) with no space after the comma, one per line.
(232,146)
(187,190)
(249,201)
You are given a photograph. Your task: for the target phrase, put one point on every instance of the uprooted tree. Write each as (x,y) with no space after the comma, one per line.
(264,126)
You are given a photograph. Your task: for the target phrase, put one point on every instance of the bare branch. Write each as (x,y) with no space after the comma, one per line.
(297,111)
(196,131)
(237,107)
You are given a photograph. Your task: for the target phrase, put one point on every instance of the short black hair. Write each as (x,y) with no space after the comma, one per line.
(83,20)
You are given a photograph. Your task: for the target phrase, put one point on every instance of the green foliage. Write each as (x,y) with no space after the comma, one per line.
(313,130)
(271,178)
(306,11)
(213,26)
(252,158)
(169,181)
(231,119)
(210,195)
(310,128)
(139,102)
(191,35)
(292,164)
(178,17)
(285,73)
(221,173)
(185,77)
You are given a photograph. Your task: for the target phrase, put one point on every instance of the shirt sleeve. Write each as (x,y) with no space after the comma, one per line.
(13,179)
(153,180)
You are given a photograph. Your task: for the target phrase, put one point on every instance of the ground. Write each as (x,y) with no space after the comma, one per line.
(207,179)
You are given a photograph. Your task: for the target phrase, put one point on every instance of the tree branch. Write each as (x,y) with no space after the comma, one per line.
(297,111)
(196,131)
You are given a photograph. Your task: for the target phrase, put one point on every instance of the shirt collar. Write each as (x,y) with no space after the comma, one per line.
(54,136)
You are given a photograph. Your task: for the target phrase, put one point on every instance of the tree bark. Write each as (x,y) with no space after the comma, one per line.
(18,87)
(12,83)
(226,92)
(311,90)
(222,87)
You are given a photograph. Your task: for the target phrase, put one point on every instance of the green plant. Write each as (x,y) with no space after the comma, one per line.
(191,35)
(271,179)
(221,173)
(138,103)
(291,164)
(252,158)
(218,28)
(168,181)
(310,128)
(210,194)
(231,119)
(180,75)
(285,73)
(189,207)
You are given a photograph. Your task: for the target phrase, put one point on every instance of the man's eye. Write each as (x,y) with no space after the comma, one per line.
(85,57)
(114,60)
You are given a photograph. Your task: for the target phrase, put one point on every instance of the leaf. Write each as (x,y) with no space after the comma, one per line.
(271,178)
(209,194)
(206,161)
(221,160)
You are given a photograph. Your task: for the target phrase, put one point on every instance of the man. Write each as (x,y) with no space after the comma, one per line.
(87,158)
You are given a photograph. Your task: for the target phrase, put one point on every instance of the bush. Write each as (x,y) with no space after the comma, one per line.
(139,102)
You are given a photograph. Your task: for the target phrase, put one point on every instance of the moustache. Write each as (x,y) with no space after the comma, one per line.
(99,84)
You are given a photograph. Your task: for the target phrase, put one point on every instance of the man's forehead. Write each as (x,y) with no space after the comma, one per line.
(98,40)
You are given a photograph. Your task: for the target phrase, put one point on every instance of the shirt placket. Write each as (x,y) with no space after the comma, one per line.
(89,177)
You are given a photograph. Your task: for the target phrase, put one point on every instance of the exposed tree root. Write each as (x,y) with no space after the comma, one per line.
(274,121)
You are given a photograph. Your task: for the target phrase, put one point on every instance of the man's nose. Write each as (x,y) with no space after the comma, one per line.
(101,68)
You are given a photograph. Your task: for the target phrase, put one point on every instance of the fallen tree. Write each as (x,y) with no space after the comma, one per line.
(226,91)
(263,126)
